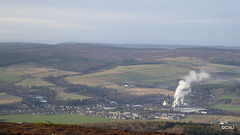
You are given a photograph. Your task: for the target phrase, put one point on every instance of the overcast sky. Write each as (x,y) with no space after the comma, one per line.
(191,22)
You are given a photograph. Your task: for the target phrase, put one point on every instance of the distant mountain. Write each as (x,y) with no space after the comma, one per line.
(136,46)
(164,46)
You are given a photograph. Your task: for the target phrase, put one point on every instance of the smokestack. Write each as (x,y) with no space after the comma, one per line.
(184,86)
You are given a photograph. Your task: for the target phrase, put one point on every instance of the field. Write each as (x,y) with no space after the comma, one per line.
(144,74)
(9,78)
(230,95)
(34,82)
(61,118)
(66,96)
(232,106)
(216,70)
(228,107)
(210,118)
(146,91)
(6,98)
(166,75)
(135,73)
(30,74)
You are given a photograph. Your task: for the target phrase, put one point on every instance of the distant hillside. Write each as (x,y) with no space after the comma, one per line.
(102,71)
(163,46)
(87,57)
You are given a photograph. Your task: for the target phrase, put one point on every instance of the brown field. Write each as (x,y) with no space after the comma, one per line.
(6,98)
(34,69)
(26,69)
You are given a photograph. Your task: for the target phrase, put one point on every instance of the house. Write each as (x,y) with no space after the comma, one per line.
(224,122)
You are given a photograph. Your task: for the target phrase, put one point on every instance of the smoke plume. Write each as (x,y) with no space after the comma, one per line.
(184,86)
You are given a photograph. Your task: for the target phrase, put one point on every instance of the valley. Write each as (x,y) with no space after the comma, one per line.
(106,84)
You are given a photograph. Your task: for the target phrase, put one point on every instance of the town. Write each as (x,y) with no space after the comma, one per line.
(109,109)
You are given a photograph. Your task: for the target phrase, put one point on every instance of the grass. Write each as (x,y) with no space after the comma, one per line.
(54,73)
(167,75)
(9,78)
(210,118)
(73,64)
(65,96)
(145,74)
(227,107)
(31,74)
(145,91)
(60,119)
(6,98)
(217,81)
(230,96)
(81,119)
(34,82)
(223,68)
(132,77)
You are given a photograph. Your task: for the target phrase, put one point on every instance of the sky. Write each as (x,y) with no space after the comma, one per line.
(185,22)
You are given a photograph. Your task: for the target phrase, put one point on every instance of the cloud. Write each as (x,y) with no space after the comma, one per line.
(5,31)
(122,21)
(23,21)
(67,17)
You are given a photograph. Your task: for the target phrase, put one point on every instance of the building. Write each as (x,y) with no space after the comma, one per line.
(165,103)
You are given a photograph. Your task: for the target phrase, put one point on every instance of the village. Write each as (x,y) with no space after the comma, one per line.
(146,112)
(107,109)
(111,109)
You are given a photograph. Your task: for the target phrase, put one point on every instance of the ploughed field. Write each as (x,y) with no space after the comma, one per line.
(7,99)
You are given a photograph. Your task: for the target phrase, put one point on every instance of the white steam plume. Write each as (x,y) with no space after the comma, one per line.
(184,86)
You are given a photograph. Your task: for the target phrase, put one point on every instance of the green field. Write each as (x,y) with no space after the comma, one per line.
(9,77)
(66,96)
(230,96)
(210,118)
(61,118)
(217,81)
(6,98)
(223,68)
(227,107)
(34,82)
(148,73)
(30,74)
(132,74)
(164,75)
